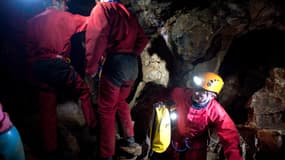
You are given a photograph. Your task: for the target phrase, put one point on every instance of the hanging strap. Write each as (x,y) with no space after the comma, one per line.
(184,148)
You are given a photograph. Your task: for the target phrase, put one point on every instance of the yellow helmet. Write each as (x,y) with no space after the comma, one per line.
(209,81)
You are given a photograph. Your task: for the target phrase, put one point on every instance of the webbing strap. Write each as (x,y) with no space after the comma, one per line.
(185,147)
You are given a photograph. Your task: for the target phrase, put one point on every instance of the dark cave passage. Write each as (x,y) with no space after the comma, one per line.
(250,58)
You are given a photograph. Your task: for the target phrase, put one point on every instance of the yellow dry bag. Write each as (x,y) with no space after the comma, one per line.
(160,132)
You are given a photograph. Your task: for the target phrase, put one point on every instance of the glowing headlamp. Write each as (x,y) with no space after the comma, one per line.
(173,115)
(197,80)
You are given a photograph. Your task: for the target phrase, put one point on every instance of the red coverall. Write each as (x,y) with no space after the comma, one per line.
(113,32)
(11,146)
(48,44)
(193,123)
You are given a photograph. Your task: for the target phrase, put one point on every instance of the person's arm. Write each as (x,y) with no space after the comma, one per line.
(227,132)
(97,34)
(80,22)
(31,42)
(141,40)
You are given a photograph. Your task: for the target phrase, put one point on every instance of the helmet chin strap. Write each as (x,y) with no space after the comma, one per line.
(202,104)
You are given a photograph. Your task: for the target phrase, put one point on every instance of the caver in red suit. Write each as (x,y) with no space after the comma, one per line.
(48,43)
(196,111)
(115,34)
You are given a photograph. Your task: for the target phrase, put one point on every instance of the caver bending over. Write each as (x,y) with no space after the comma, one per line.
(48,45)
(115,34)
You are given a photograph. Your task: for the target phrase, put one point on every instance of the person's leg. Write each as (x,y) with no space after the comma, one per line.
(80,88)
(42,75)
(198,150)
(48,119)
(123,76)
(128,147)
(115,90)
(199,154)
(108,96)
(11,147)
(62,76)
(123,110)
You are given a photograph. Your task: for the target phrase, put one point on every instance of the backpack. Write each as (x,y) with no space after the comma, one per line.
(160,129)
